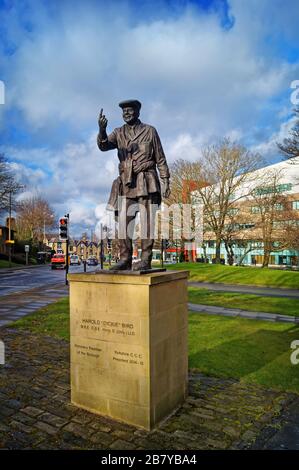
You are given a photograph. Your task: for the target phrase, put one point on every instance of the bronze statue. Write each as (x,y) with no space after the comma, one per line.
(140,153)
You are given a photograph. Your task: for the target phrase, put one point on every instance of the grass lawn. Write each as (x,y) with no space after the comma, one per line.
(52,320)
(249,350)
(5,264)
(245,275)
(256,303)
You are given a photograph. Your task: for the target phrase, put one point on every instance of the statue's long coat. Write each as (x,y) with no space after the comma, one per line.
(140,153)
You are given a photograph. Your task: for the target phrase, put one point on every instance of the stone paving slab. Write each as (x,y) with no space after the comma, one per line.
(20,304)
(35,409)
(233,312)
(247,289)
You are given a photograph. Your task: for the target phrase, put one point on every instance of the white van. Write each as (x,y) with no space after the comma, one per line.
(74,259)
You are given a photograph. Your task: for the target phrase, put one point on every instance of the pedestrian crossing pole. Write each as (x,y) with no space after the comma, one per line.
(102,249)
(9,232)
(67,251)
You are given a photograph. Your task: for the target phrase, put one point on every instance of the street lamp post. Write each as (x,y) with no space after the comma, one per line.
(102,248)
(9,232)
(67,251)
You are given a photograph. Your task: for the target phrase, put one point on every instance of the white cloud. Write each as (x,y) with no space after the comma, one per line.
(188,71)
(196,80)
(268,148)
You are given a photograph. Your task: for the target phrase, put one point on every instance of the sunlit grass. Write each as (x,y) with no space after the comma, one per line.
(256,303)
(245,275)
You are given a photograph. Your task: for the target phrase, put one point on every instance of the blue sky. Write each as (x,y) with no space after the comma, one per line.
(202,70)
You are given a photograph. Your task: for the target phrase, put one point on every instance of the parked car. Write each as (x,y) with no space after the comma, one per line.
(58,261)
(92,261)
(41,257)
(74,259)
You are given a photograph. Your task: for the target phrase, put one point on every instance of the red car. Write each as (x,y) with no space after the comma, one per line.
(58,261)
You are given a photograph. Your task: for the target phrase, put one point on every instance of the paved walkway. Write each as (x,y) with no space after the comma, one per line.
(21,267)
(237,312)
(35,409)
(241,289)
(14,306)
(287,435)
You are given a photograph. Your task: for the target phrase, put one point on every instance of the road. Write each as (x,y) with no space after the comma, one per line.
(20,280)
(22,291)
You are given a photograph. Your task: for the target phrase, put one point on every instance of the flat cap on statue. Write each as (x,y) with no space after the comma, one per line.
(130,104)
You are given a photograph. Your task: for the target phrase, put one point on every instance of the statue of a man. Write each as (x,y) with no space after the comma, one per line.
(140,153)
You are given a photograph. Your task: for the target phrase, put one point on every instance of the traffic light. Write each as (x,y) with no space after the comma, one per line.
(109,244)
(63,228)
(166,244)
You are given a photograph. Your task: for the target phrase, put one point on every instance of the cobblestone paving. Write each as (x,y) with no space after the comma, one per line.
(35,409)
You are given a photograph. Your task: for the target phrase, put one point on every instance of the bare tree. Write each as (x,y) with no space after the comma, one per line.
(34,216)
(8,184)
(185,177)
(228,166)
(236,235)
(290,145)
(274,217)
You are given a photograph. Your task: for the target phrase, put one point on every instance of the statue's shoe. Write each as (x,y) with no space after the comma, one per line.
(121,266)
(141,266)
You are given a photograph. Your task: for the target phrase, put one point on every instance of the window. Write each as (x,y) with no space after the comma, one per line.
(231,227)
(295,205)
(278,207)
(280,188)
(256,244)
(293,222)
(284,187)
(255,209)
(233,211)
(245,226)
(278,224)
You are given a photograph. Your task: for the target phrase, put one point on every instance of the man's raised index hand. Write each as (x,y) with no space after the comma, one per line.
(102,120)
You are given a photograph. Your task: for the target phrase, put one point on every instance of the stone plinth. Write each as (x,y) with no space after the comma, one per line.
(129,357)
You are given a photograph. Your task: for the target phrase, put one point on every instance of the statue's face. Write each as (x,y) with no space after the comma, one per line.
(130,115)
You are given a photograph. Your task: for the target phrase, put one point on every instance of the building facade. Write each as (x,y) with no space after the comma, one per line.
(248,246)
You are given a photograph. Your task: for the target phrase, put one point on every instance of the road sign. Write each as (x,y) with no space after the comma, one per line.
(26,248)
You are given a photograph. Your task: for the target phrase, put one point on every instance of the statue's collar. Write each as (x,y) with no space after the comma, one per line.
(137,123)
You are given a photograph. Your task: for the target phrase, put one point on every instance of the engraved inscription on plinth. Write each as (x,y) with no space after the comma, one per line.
(129,345)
